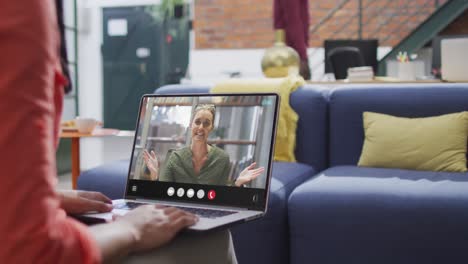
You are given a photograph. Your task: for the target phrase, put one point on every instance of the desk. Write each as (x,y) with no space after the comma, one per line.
(75,147)
(378,79)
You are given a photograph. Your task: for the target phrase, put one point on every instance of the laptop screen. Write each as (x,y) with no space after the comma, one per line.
(204,149)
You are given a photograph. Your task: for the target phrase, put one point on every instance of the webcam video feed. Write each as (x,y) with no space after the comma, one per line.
(209,140)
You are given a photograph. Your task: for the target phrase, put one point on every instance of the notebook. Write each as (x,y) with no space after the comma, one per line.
(209,154)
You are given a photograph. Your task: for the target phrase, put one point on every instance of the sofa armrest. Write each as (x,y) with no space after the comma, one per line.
(310,103)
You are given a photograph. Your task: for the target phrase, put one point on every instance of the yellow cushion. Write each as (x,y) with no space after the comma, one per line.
(287,123)
(436,143)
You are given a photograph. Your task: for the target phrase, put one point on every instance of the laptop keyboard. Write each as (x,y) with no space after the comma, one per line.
(206,213)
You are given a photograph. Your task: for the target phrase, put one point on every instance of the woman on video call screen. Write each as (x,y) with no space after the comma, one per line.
(207,140)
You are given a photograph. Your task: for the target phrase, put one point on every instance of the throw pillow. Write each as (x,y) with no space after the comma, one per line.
(436,143)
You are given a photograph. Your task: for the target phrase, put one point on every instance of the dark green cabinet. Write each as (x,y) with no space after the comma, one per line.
(140,53)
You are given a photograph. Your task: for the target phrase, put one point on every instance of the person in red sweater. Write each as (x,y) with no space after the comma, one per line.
(34,225)
(293,17)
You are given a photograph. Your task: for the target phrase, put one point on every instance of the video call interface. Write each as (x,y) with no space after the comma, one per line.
(210,149)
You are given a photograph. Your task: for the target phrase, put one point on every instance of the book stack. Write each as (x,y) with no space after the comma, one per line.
(364,73)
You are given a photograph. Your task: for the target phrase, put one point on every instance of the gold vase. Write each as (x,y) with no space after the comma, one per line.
(280,60)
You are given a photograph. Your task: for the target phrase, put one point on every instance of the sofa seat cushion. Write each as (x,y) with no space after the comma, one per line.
(267,240)
(110,179)
(372,215)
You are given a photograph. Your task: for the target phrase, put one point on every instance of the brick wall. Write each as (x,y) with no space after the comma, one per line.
(233,24)
(247,24)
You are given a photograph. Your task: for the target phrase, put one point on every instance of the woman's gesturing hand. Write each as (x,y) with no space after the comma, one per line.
(153,226)
(152,163)
(249,174)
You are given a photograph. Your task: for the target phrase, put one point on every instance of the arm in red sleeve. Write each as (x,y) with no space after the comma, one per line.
(33,227)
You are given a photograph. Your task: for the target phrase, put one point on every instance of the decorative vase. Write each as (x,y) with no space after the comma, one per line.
(280,60)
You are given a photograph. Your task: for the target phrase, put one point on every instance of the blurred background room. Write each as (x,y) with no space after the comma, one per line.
(119,50)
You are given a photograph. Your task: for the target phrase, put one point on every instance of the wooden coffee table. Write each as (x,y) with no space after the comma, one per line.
(75,146)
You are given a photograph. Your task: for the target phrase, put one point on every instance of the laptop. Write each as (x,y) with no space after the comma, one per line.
(241,133)
(454,59)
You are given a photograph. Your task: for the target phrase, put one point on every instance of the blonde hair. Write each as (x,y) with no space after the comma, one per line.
(209,107)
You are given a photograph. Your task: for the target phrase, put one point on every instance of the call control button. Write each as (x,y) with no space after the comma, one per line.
(200,194)
(211,194)
(190,193)
(180,192)
(170,191)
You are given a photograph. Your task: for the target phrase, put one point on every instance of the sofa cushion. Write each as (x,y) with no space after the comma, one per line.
(267,240)
(347,104)
(435,143)
(372,215)
(311,105)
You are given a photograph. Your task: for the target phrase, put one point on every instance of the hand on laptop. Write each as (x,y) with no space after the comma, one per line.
(152,163)
(249,174)
(79,202)
(153,226)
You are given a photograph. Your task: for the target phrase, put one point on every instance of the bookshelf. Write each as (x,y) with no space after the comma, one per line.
(212,142)
(216,104)
(216,100)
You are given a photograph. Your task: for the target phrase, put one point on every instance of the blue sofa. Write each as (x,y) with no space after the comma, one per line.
(268,238)
(325,209)
(350,214)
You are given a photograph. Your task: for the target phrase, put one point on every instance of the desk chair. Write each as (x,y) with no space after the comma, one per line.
(342,58)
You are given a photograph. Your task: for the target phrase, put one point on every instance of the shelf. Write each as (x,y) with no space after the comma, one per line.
(231,142)
(166,139)
(229,100)
(215,142)
(216,104)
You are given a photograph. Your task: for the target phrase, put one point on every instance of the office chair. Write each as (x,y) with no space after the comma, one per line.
(342,58)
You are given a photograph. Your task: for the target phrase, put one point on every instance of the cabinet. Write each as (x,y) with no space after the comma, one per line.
(140,52)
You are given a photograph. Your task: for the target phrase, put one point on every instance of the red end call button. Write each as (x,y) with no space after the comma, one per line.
(211,194)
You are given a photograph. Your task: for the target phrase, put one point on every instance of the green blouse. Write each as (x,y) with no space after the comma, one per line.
(179,168)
